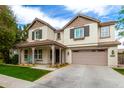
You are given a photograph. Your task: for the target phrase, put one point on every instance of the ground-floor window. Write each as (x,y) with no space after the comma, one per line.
(26,55)
(38,54)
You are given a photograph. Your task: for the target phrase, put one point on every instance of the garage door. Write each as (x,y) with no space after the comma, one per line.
(90,57)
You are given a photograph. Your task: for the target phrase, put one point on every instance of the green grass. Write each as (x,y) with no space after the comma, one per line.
(25,73)
(120,70)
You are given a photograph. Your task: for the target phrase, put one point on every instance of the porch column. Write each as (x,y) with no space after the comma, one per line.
(33,62)
(63,56)
(19,56)
(60,56)
(53,54)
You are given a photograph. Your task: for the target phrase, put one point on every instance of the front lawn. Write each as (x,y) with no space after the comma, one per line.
(120,70)
(25,73)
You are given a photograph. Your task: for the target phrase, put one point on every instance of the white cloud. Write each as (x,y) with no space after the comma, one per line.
(99,10)
(26,15)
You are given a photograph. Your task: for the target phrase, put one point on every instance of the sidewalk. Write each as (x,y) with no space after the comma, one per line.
(11,82)
(44,67)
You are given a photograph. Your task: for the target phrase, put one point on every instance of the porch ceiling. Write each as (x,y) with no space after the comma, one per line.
(39,43)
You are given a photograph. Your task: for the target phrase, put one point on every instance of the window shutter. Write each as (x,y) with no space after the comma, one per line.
(86,30)
(71,33)
(40,34)
(32,35)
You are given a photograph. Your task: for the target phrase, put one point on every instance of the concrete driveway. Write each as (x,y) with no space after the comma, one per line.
(81,76)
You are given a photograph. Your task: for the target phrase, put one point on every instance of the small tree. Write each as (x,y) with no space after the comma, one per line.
(8,30)
(9,33)
(22,34)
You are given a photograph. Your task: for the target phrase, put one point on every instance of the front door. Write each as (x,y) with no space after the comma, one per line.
(57,56)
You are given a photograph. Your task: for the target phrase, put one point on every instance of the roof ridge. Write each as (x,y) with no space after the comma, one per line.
(78,15)
(42,21)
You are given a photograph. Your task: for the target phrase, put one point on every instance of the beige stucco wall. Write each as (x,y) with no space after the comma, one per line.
(68,56)
(112,35)
(91,39)
(47,33)
(50,34)
(45,55)
(62,37)
(63,56)
(22,57)
(112,61)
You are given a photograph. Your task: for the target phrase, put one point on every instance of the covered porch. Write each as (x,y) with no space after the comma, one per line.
(41,52)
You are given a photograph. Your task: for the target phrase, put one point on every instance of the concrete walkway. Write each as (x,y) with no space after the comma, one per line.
(80,76)
(44,67)
(10,82)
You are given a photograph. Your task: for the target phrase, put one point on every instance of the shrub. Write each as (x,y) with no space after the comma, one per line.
(14,59)
(1,61)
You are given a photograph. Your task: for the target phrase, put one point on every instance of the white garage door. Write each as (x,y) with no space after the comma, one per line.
(90,57)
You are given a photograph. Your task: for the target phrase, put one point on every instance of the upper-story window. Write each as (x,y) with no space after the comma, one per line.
(37,35)
(58,36)
(78,33)
(104,33)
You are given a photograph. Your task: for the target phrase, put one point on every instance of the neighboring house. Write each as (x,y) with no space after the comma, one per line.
(83,40)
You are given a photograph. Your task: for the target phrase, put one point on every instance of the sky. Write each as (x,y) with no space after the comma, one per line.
(59,15)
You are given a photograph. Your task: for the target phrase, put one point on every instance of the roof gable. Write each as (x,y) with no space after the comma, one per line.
(39,23)
(35,24)
(80,20)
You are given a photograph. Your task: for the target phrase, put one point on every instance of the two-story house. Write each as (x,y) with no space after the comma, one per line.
(84,40)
